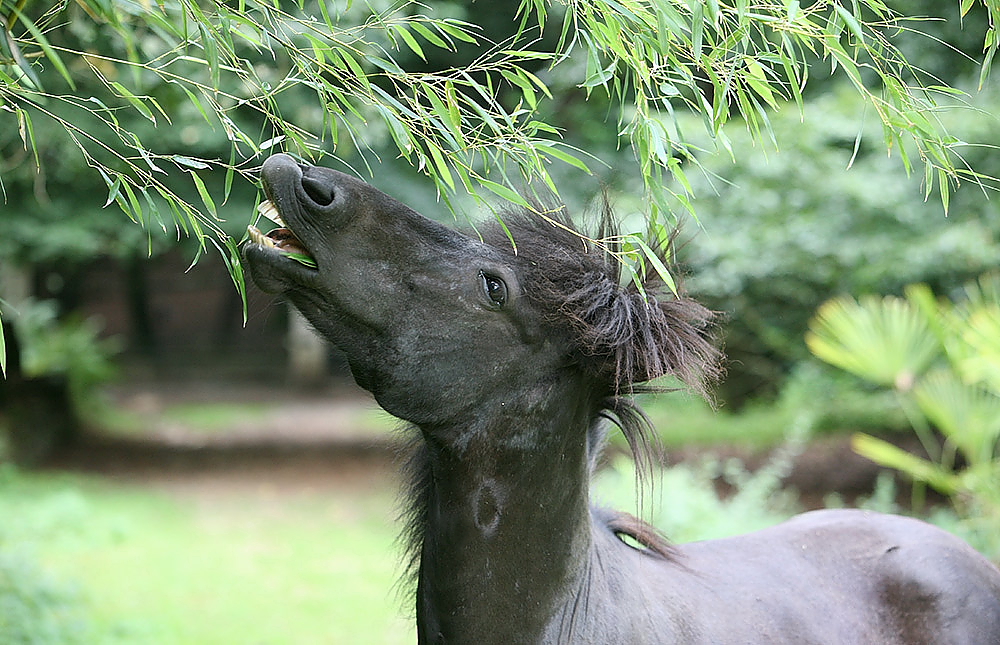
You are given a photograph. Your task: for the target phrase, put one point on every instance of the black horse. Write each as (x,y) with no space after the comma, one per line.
(510,362)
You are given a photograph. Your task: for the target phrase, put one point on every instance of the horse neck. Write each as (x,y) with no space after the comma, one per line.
(507,525)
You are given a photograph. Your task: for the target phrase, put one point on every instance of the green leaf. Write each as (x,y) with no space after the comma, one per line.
(10,49)
(981,335)
(189,162)
(26,130)
(3,350)
(302,258)
(206,198)
(968,415)
(429,35)
(47,49)
(458,29)
(134,100)
(550,149)
(658,265)
(527,88)
(886,454)
(850,21)
(442,166)
(505,192)
(410,41)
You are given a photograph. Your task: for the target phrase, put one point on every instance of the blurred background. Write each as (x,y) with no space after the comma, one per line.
(173,473)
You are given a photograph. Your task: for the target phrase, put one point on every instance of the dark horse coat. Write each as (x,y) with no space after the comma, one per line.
(508,360)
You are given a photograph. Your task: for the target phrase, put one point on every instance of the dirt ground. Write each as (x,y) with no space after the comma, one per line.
(285,442)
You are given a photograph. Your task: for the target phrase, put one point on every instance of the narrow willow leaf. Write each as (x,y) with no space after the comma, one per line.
(12,50)
(230,175)
(410,41)
(134,100)
(303,259)
(189,162)
(114,187)
(850,21)
(661,269)
(132,207)
(429,35)
(26,129)
(196,103)
(211,49)
(527,88)
(505,192)
(47,48)
(442,166)
(206,198)
(458,29)
(550,149)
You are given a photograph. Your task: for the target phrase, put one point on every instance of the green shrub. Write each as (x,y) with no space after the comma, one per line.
(684,502)
(827,214)
(69,347)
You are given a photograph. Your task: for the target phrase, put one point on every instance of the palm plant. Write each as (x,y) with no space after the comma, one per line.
(943,361)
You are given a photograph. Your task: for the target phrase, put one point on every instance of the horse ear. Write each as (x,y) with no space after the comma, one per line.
(631,337)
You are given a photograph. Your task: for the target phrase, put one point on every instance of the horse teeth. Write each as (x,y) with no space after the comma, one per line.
(267,209)
(259,238)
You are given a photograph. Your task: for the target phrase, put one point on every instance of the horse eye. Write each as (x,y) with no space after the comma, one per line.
(494,288)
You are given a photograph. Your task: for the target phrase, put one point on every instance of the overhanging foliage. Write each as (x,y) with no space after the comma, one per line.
(92,68)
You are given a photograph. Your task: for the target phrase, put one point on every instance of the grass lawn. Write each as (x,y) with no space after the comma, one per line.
(214,567)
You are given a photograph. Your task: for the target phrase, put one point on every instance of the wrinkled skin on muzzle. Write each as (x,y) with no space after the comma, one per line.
(423,312)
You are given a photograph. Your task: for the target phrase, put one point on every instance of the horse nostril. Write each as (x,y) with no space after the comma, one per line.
(319,191)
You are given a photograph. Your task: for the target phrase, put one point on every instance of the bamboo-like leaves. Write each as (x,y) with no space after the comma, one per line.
(891,456)
(720,58)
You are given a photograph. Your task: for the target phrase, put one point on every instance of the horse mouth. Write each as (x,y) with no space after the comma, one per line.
(281,239)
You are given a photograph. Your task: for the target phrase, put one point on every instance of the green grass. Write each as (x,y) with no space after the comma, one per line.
(217,568)
(682,419)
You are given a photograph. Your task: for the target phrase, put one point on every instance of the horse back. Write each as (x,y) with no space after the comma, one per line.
(841,577)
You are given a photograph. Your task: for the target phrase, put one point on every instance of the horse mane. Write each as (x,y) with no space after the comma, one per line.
(623,335)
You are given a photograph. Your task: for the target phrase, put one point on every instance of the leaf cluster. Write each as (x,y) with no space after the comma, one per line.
(316,78)
(826,213)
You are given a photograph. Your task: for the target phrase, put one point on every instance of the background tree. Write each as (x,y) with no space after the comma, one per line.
(174,104)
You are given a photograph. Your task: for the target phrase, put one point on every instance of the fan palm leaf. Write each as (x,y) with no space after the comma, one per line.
(885,340)
(967,414)
(982,336)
